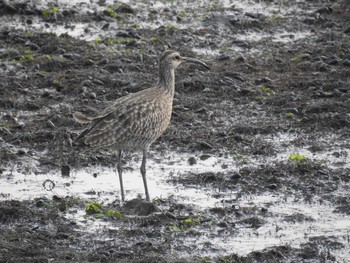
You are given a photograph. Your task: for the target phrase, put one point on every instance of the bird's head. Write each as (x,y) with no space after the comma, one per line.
(172,59)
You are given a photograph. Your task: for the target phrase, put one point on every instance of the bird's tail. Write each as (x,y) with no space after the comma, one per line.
(81,118)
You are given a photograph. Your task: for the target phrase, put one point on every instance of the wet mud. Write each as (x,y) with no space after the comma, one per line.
(263,137)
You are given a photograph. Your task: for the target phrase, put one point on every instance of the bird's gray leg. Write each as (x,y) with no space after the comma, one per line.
(120,173)
(143,172)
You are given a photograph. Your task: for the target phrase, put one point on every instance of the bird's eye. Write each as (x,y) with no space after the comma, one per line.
(177,57)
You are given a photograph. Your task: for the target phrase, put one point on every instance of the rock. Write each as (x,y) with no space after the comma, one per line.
(236,177)
(98,82)
(263,80)
(346,62)
(103,61)
(132,33)
(321,66)
(255,15)
(131,43)
(240,59)
(204,157)
(236,76)
(72,56)
(32,45)
(124,8)
(233,20)
(241,43)
(309,20)
(223,225)
(139,207)
(21,152)
(122,33)
(89,62)
(105,26)
(83,89)
(223,57)
(334,60)
(192,160)
(92,95)
(324,10)
(65,170)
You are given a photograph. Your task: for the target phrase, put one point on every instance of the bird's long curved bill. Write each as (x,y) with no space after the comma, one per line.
(195,61)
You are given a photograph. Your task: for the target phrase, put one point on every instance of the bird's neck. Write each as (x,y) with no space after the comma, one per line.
(166,80)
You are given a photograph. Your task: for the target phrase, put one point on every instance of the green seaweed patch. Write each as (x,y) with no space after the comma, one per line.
(136,26)
(276,19)
(182,14)
(28,58)
(153,40)
(98,211)
(170,28)
(290,115)
(115,214)
(93,208)
(185,224)
(297,157)
(300,57)
(267,91)
(4,124)
(118,40)
(48,12)
(110,11)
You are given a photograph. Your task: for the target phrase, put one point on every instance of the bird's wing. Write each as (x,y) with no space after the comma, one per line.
(138,117)
(129,120)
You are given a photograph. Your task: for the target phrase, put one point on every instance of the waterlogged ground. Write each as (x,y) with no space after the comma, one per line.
(253,168)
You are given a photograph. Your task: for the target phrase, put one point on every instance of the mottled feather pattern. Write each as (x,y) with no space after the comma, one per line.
(134,123)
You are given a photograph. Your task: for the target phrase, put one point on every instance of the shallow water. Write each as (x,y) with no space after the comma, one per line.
(196,11)
(104,181)
(101,184)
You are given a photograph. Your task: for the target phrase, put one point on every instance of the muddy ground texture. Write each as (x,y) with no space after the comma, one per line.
(301,87)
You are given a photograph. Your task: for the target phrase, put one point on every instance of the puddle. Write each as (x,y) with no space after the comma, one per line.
(336,154)
(101,183)
(197,11)
(105,183)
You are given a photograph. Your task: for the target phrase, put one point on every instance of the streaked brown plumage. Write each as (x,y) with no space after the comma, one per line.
(135,121)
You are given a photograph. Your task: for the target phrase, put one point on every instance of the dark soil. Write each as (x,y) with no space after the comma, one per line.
(255,90)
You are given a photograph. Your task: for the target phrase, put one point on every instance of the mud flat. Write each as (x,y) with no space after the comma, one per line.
(253,168)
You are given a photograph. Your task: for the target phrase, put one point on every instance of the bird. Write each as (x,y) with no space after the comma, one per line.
(135,121)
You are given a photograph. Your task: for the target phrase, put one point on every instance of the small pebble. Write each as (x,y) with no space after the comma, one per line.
(93,95)
(204,157)
(223,57)
(223,225)
(240,59)
(346,62)
(21,152)
(192,160)
(83,89)
(65,170)
(89,62)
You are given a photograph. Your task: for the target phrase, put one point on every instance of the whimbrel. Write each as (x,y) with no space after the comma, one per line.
(135,121)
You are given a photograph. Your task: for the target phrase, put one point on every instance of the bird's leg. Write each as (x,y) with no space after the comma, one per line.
(120,173)
(143,172)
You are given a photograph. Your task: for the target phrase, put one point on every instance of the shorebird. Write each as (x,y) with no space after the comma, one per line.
(135,121)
